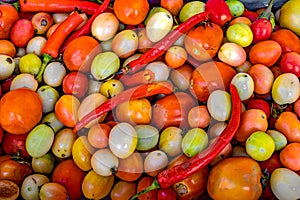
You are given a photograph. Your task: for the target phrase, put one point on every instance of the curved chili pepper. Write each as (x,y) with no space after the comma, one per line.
(137,92)
(142,77)
(50,50)
(65,6)
(219,12)
(170,176)
(160,47)
(86,29)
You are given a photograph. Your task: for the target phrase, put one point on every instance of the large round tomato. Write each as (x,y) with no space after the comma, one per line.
(235,178)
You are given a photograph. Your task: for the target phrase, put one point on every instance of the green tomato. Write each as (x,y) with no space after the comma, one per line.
(279,139)
(155,10)
(190,9)
(236,7)
(240,34)
(30,63)
(260,146)
(244,84)
(194,141)
(286,89)
(52,121)
(147,137)
(170,141)
(219,105)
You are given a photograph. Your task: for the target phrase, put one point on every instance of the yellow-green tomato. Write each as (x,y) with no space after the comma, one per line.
(30,63)
(52,121)
(63,142)
(285,89)
(191,8)
(30,188)
(285,184)
(111,88)
(170,141)
(104,162)
(125,43)
(39,140)
(123,140)
(240,34)
(219,105)
(244,84)
(147,136)
(236,7)
(194,141)
(279,139)
(44,164)
(260,146)
(48,96)
(82,152)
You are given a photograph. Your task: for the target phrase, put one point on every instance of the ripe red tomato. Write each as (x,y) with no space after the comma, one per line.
(21,32)
(69,175)
(260,104)
(261,29)
(143,184)
(75,83)
(15,144)
(166,194)
(290,63)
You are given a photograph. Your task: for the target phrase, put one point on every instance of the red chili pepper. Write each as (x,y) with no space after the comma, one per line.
(137,92)
(170,176)
(250,15)
(86,29)
(219,11)
(142,77)
(50,50)
(160,47)
(65,6)
(262,27)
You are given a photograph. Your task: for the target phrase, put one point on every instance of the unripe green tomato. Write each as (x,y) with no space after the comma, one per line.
(52,121)
(279,139)
(191,8)
(170,141)
(236,7)
(219,105)
(147,137)
(39,140)
(7,66)
(30,63)
(49,96)
(104,65)
(194,141)
(31,186)
(244,84)
(153,11)
(44,164)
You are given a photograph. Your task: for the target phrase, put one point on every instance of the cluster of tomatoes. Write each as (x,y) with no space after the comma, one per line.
(122,151)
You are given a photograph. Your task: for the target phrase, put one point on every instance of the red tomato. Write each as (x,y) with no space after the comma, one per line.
(69,175)
(166,194)
(290,63)
(75,83)
(261,29)
(1,133)
(296,107)
(143,184)
(260,104)
(8,16)
(14,171)
(21,32)
(270,164)
(14,144)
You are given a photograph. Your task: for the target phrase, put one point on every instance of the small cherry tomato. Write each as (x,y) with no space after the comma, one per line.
(21,32)
(53,191)
(260,104)
(123,190)
(9,15)
(290,62)
(15,144)
(262,30)
(166,194)
(41,22)
(66,109)
(75,83)
(143,184)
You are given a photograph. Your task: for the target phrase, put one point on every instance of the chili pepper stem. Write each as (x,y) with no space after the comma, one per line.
(153,186)
(46,59)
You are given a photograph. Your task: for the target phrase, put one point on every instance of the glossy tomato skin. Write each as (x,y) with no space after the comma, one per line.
(290,63)
(21,32)
(260,104)
(8,16)
(75,83)
(143,184)
(235,178)
(69,175)
(14,144)
(14,171)
(166,194)
(261,29)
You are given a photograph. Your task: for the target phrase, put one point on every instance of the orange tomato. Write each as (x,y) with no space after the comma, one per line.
(66,109)
(20,111)
(98,135)
(134,111)
(240,19)
(7,48)
(263,78)
(199,117)
(235,178)
(130,168)
(175,56)
(131,12)
(266,52)
(209,77)
(287,39)
(288,124)
(78,57)
(123,190)
(173,6)
(251,120)
(9,15)
(200,44)
(290,157)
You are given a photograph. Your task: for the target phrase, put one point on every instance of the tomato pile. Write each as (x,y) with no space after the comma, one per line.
(162,100)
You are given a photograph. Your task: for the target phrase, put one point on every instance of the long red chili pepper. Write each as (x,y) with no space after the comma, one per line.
(64,6)
(86,29)
(141,77)
(250,15)
(160,47)
(180,172)
(137,92)
(50,50)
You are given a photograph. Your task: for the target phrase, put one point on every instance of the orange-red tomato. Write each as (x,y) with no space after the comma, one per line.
(69,175)
(235,178)
(270,164)
(290,63)
(199,117)
(287,39)
(98,135)
(78,57)
(289,124)
(66,109)
(131,12)
(251,120)
(241,19)
(20,111)
(143,184)
(290,157)
(7,48)
(130,168)
(9,15)
(209,77)
(265,52)
(173,6)
(175,56)
(21,32)
(123,190)
(263,78)
(200,44)
(296,107)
